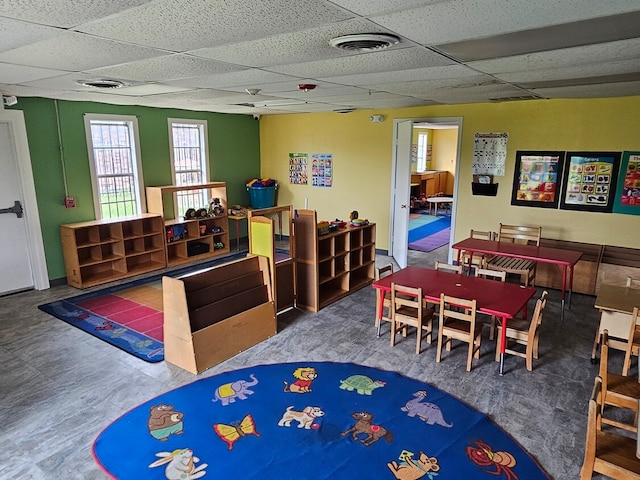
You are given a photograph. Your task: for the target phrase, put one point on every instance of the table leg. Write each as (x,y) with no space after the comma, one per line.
(379,307)
(570,283)
(237,235)
(503,343)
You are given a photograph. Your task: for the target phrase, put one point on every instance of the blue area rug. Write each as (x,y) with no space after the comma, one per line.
(114,314)
(426,233)
(309,421)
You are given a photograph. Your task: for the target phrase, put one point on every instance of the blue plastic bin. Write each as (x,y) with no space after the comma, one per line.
(262,197)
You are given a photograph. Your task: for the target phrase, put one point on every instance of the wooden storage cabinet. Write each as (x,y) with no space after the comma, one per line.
(331,266)
(204,237)
(100,251)
(214,314)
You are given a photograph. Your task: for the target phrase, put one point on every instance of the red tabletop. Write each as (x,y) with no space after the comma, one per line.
(494,298)
(529,252)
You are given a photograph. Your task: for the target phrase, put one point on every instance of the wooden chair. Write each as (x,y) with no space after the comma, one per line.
(524,332)
(605,452)
(618,390)
(386,305)
(478,260)
(458,322)
(623,333)
(447,267)
(408,310)
(491,275)
(525,268)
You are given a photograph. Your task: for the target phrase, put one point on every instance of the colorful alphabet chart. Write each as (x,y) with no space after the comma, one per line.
(298,168)
(489,154)
(538,178)
(322,169)
(631,182)
(589,180)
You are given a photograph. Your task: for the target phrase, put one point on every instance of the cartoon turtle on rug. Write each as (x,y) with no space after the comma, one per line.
(361,384)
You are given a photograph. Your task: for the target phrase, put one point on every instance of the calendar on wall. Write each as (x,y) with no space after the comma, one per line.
(489,154)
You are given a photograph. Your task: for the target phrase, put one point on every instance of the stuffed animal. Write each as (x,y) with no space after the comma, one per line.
(215,207)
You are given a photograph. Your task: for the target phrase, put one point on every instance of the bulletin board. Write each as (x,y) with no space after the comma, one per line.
(627,198)
(537,177)
(589,181)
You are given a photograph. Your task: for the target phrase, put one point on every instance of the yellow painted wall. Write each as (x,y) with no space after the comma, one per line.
(445,151)
(363,161)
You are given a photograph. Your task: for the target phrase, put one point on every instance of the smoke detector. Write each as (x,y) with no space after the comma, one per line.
(103,84)
(364,42)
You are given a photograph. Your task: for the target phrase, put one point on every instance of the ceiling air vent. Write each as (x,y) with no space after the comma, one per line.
(364,42)
(514,99)
(103,84)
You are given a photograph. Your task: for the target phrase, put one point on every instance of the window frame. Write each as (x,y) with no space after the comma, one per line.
(204,153)
(132,124)
(421,135)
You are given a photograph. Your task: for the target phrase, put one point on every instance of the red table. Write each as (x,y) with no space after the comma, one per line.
(565,259)
(504,300)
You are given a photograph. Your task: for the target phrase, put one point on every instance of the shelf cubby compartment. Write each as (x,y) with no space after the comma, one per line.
(340,264)
(361,276)
(325,270)
(325,248)
(355,259)
(355,238)
(340,244)
(333,290)
(146,262)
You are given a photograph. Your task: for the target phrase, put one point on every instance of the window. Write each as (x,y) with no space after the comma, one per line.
(189,161)
(116,175)
(422,152)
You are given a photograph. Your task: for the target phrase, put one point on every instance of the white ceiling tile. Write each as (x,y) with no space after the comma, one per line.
(182,25)
(463,19)
(590,91)
(291,47)
(250,77)
(427,73)
(64,13)
(168,67)
(20,74)
(383,61)
(15,34)
(374,7)
(574,71)
(75,51)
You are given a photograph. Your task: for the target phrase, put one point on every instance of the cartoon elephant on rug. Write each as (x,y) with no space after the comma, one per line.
(430,413)
(228,392)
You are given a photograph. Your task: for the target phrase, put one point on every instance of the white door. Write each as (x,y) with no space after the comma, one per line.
(401,191)
(15,263)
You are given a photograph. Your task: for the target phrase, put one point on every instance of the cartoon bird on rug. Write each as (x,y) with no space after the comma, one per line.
(304,378)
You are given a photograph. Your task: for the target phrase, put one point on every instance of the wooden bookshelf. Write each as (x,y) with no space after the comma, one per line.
(204,237)
(101,251)
(331,266)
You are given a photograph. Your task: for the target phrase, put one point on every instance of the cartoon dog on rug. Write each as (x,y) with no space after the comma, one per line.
(305,418)
(364,424)
(304,378)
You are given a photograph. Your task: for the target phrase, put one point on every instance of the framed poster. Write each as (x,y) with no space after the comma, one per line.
(536,181)
(627,198)
(590,181)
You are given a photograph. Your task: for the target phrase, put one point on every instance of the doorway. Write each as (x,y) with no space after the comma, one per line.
(21,242)
(403,129)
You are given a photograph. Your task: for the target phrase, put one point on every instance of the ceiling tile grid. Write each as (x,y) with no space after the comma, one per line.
(201,55)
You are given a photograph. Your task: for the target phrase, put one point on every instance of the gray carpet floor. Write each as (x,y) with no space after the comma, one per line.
(60,387)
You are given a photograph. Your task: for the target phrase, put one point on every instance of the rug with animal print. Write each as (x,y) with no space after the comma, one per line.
(309,421)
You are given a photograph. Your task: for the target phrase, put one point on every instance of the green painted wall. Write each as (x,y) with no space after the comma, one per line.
(234,153)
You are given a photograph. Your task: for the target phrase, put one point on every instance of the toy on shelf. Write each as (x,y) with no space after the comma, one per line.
(354,221)
(261,182)
(215,208)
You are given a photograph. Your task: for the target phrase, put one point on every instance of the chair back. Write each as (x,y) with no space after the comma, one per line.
(447,267)
(520,234)
(593,420)
(457,308)
(383,271)
(482,235)
(538,312)
(406,302)
(491,274)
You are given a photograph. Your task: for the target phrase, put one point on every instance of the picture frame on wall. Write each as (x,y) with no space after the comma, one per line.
(627,199)
(589,182)
(536,180)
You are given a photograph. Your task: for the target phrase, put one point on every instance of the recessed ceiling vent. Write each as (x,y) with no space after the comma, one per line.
(103,84)
(514,99)
(364,42)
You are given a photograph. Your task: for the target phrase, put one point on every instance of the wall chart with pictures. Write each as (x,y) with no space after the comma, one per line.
(590,181)
(321,169)
(628,195)
(298,168)
(536,181)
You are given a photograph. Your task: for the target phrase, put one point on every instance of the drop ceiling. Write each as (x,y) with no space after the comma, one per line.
(204,55)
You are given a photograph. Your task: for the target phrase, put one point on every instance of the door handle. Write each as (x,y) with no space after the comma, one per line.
(17,209)
(403,206)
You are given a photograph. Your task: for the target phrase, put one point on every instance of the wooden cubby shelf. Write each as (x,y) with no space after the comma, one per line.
(331,266)
(203,237)
(101,251)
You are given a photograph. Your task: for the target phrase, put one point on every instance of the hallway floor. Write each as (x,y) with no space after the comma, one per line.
(61,387)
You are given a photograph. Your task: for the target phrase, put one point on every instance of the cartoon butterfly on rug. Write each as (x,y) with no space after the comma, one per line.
(230,433)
